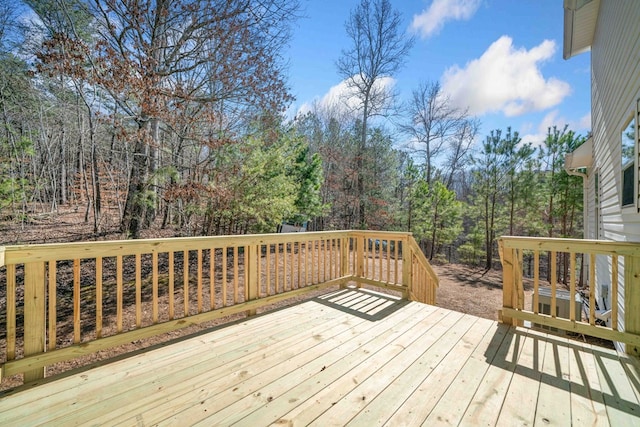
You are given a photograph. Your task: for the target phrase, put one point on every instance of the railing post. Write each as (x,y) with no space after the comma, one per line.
(407,268)
(34,315)
(344,257)
(432,291)
(253,281)
(632,299)
(360,259)
(508,280)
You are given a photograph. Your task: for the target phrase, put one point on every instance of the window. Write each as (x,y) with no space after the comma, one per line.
(628,141)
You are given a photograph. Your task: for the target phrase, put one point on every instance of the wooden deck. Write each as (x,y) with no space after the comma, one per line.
(347,358)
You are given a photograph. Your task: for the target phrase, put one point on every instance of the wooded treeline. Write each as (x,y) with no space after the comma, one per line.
(159,113)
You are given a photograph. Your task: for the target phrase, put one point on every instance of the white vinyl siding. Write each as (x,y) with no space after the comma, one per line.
(591,222)
(615,87)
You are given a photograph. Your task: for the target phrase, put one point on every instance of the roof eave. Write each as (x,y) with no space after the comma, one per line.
(580,17)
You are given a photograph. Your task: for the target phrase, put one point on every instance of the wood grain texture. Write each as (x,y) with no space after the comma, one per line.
(350,357)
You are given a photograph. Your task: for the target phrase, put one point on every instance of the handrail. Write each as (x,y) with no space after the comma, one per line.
(88,291)
(615,257)
(605,247)
(424,279)
(422,259)
(61,251)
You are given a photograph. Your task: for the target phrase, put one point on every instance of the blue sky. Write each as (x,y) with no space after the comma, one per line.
(502,59)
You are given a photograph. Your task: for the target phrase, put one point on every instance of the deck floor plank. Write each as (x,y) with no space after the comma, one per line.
(324,374)
(327,372)
(618,391)
(351,356)
(423,353)
(453,403)
(487,401)
(587,401)
(168,376)
(554,397)
(632,368)
(325,398)
(118,378)
(225,375)
(220,392)
(440,368)
(521,399)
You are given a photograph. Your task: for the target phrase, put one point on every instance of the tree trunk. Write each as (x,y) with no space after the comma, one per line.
(154,159)
(360,162)
(95,178)
(135,206)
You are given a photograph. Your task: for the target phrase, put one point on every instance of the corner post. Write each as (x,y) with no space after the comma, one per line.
(508,280)
(407,268)
(34,315)
(632,299)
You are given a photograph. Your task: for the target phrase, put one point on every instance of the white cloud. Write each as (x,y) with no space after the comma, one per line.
(431,20)
(342,99)
(580,126)
(584,122)
(505,79)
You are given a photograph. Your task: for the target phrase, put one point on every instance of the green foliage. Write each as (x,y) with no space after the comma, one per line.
(438,214)
(307,173)
(380,174)
(15,187)
(258,183)
(564,192)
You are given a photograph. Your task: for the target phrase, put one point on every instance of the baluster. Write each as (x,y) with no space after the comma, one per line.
(572,286)
(52,269)
(536,281)
(614,292)
(138,266)
(171,286)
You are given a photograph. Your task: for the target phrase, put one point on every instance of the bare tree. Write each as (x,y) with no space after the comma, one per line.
(378,50)
(157,59)
(435,125)
(459,148)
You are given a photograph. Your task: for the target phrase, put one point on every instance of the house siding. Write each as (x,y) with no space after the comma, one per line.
(615,87)
(591,217)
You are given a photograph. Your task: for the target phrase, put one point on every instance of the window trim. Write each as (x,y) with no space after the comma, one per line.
(634,205)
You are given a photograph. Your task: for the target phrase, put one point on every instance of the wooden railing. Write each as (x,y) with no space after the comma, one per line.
(422,278)
(621,261)
(67,300)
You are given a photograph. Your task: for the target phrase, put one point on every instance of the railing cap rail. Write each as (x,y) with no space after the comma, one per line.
(19,254)
(571,245)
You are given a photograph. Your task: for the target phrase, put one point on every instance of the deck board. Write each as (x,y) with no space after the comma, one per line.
(280,379)
(350,357)
(522,396)
(554,399)
(438,339)
(618,391)
(438,367)
(227,371)
(121,376)
(455,400)
(486,403)
(587,404)
(304,402)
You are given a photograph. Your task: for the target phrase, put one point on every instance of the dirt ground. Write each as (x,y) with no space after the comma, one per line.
(469,290)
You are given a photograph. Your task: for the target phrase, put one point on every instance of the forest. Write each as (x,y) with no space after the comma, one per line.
(171,114)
